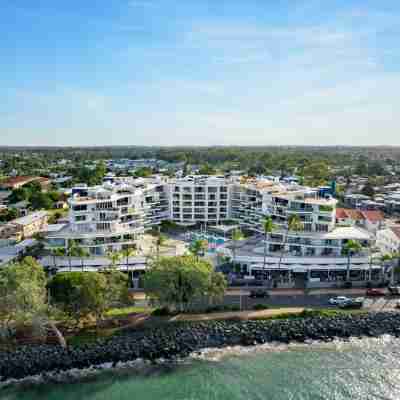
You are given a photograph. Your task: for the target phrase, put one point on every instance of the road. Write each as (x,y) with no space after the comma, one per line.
(297,298)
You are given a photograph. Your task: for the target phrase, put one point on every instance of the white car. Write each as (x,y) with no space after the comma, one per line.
(338,300)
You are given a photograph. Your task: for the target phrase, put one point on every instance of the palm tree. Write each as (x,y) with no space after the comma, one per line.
(114,257)
(268,226)
(160,241)
(237,235)
(198,247)
(385,258)
(82,253)
(395,257)
(294,224)
(350,248)
(71,251)
(57,252)
(129,252)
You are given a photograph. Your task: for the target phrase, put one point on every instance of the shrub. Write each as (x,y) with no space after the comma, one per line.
(161,312)
(258,307)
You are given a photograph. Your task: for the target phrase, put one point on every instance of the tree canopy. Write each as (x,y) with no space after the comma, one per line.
(176,282)
(22,292)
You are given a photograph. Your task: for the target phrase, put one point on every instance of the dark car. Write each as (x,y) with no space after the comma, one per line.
(259,293)
(374,292)
(394,290)
(352,303)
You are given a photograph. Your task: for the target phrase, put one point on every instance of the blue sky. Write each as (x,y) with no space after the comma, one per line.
(199,72)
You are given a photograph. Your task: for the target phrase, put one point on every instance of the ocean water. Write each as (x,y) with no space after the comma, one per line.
(359,369)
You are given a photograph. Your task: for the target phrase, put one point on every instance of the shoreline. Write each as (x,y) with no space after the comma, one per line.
(212,355)
(181,340)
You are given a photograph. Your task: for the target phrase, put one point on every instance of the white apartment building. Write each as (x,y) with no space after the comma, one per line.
(388,240)
(112,216)
(199,199)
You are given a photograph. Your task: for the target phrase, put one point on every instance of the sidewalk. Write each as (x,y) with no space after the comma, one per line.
(237,314)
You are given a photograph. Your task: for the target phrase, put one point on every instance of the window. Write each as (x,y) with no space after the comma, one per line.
(123,202)
(81,207)
(80,218)
(104,226)
(321,228)
(104,205)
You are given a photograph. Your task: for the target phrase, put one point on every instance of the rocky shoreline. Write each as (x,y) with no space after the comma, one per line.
(179,340)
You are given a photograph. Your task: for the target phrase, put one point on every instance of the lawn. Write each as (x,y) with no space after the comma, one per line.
(125,311)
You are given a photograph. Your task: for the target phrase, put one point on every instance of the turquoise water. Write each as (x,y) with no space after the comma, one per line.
(366,369)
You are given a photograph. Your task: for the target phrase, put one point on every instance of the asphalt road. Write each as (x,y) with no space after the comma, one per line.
(298,299)
(312,301)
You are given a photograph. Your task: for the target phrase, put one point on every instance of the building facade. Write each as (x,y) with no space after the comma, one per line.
(113,216)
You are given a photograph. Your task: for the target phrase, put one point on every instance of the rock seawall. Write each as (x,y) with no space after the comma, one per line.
(178,340)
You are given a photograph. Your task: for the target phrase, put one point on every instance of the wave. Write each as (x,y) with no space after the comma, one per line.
(145,367)
(218,354)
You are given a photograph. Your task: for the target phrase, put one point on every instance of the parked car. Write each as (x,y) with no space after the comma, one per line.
(338,300)
(352,303)
(374,292)
(394,290)
(259,293)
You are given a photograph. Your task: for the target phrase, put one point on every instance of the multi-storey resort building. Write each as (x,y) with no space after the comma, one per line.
(113,216)
(203,200)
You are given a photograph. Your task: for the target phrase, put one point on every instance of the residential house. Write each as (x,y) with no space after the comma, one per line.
(25,227)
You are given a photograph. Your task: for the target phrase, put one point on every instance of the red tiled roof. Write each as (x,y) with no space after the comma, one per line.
(17,179)
(396,230)
(349,213)
(373,216)
(341,213)
(355,214)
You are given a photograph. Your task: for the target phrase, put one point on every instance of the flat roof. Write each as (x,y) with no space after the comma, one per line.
(28,219)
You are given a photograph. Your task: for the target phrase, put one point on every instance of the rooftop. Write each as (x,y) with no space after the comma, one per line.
(28,219)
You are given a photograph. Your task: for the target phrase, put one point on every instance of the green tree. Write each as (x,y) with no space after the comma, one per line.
(57,252)
(294,224)
(176,282)
(143,172)
(82,253)
(198,247)
(368,190)
(24,298)
(268,227)
(8,215)
(160,241)
(207,169)
(114,258)
(71,251)
(127,253)
(237,236)
(351,248)
(17,195)
(40,200)
(79,294)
